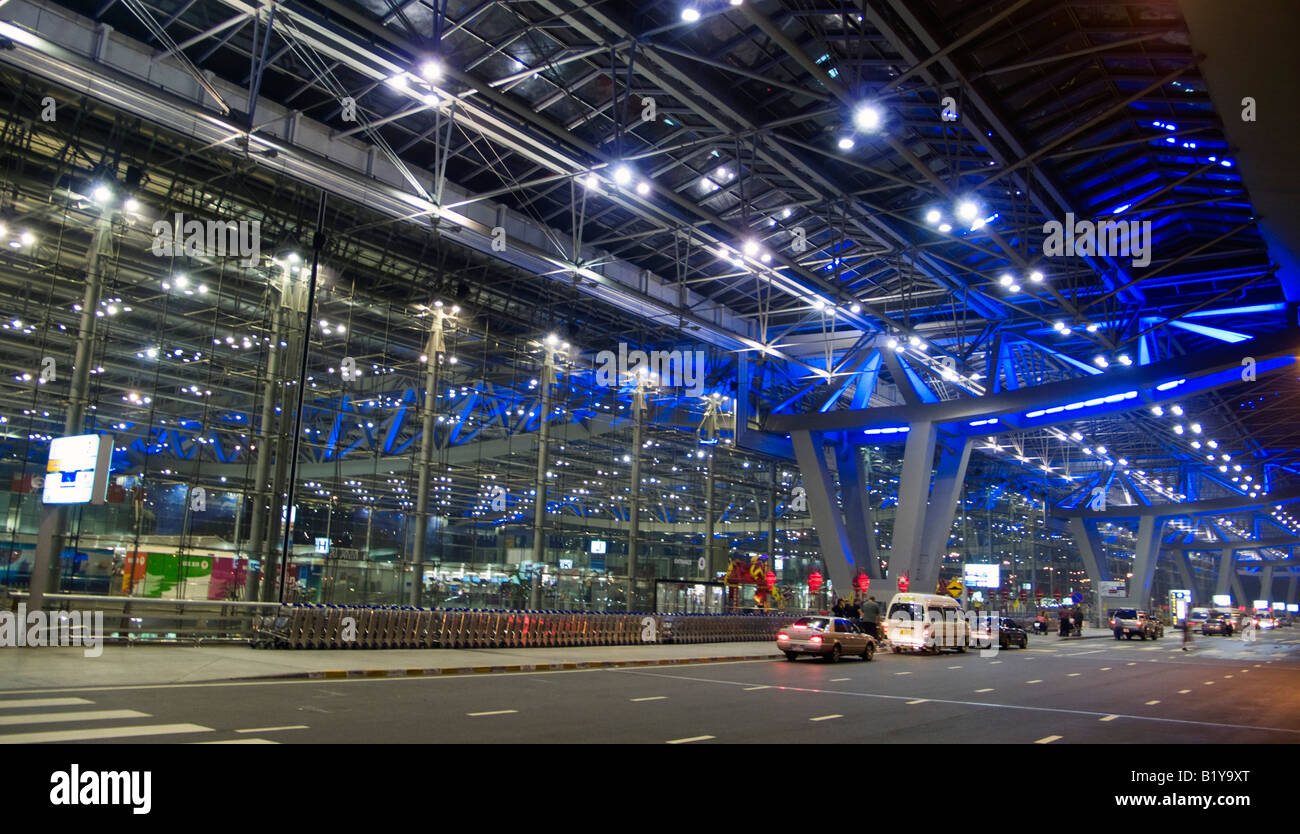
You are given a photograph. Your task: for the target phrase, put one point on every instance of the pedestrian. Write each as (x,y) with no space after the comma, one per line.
(838,608)
(1040,623)
(871,616)
(1187,634)
(854,611)
(1065,623)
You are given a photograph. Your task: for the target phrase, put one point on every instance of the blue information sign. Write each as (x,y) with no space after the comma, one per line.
(1076,598)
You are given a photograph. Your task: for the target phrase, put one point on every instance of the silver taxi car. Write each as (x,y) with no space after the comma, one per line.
(827,636)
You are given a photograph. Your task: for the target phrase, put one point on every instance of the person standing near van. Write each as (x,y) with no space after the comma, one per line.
(871,617)
(1065,623)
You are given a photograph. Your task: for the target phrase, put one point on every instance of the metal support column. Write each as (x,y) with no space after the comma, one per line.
(261,497)
(1266,584)
(428,442)
(54,517)
(709,567)
(634,497)
(547,378)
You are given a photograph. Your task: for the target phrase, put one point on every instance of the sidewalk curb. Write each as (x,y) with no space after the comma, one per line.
(351,674)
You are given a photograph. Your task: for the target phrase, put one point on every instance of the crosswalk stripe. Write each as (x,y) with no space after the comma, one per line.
(104,732)
(57,717)
(238,741)
(44,702)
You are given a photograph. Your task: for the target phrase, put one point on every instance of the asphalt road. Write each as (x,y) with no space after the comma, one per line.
(1092,691)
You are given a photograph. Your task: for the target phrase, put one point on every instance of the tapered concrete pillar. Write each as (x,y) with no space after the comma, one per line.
(937,527)
(1144,562)
(1227,572)
(822,504)
(913,499)
(857,515)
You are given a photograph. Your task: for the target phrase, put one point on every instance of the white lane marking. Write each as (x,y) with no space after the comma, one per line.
(990,689)
(238,741)
(985,704)
(752,688)
(1048,739)
(689,740)
(954,667)
(650,698)
(1209,683)
(825,717)
(492,712)
(902,673)
(837,680)
(1105,669)
(57,702)
(275,729)
(994,662)
(54,717)
(1131,664)
(1108,718)
(1227,676)
(1081,654)
(1039,680)
(1152,703)
(1074,674)
(1183,691)
(105,732)
(918,701)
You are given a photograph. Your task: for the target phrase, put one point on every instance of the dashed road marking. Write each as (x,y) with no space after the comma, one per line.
(1074,674)
(918,701)
(954,667)
(1048,739)
(105,732)
(752,688)
(1034,681)
(1152,703)
(55,702)
(990,689)
(837,680)
(1183,691)
(1209,683)
(88,715)
(492,712)
(689,740)
(650,698)
(1105,669)
(902,673)
(993,662)
(1131,664)
(275,729)
(1108,718)
(825,717)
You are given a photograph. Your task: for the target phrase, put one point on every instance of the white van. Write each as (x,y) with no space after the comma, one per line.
(926,622)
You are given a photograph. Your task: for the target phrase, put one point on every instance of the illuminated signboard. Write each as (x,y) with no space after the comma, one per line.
(1279,606)
(598,546)
(1261,605)
(1292,607)
(1222,600)
(78,469)
(982,576)
(1116,588)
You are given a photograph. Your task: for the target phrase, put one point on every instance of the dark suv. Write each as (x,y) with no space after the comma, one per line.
(1218,623)
(1130,622)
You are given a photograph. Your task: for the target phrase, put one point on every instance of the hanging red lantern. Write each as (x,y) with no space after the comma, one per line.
(771,579)
(902,584)
(863,582)
(814,582)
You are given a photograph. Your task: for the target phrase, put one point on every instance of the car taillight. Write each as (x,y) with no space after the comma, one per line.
(816,638)
(783,636)
(1112,622)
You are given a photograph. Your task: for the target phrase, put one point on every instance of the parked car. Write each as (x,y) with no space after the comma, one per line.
(1218,623)
(828,637)
(1130,622)
(1010,633)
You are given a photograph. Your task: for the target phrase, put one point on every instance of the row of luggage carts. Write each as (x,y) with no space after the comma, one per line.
(307,626)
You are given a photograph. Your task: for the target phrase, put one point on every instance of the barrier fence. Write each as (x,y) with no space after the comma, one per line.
(396,627)
(313,626)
